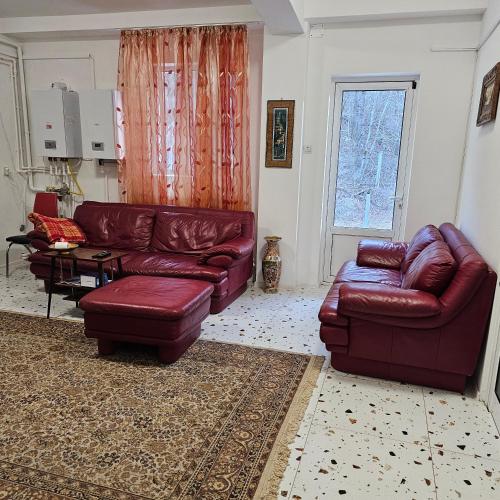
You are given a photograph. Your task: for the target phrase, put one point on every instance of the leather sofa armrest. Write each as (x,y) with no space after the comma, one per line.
(236,249)
(384,300)
(224,261)
(381,253)
(39,240)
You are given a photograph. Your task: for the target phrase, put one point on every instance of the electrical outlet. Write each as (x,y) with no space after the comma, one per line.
(6,171)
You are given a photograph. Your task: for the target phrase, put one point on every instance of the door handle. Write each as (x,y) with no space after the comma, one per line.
(397,200)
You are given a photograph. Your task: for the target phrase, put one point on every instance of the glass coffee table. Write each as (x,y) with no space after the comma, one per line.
(81,255)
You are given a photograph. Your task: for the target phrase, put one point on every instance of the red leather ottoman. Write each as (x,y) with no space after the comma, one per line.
(166,312)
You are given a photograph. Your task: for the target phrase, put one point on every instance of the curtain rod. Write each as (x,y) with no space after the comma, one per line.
(189,26)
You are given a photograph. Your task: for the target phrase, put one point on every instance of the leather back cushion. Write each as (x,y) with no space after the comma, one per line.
(246,219)
(116,226)
(424,237)
(432,270)
(188,233)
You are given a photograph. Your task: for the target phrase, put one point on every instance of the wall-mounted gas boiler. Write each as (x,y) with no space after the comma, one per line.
(98,119)
(55,123)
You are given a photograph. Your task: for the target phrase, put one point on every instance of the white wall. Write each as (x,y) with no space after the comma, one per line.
(347,49)
(284,77)
(490,19)
(12,185)
(480,198)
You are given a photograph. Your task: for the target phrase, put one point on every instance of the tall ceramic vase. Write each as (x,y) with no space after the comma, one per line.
(271,265)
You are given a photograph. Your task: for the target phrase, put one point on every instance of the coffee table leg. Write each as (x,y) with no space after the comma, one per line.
(101,274)
(51,284)
(120,267)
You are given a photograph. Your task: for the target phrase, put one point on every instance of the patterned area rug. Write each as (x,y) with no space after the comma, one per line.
(214,425)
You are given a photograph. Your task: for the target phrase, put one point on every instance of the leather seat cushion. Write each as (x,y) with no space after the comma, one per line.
(40,266)
(432,270)
(148,297)
(191,233)
(171,265)
(350,272)
(424,237)
(66,264)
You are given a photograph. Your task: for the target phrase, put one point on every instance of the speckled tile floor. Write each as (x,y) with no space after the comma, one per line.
(360,438)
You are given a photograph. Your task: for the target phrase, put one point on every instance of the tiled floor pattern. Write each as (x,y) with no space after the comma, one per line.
(361,438)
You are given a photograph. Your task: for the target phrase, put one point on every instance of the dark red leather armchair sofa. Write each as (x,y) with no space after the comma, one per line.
(414,312)
(212,245)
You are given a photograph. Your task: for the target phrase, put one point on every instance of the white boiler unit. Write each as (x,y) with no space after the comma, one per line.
(55,123)
(98,118)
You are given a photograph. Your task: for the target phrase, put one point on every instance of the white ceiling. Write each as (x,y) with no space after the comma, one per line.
(33,8)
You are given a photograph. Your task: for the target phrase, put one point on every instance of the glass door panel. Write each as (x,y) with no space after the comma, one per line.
(368,158)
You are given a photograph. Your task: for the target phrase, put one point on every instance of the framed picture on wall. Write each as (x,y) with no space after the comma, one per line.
(488,102)
(279,136)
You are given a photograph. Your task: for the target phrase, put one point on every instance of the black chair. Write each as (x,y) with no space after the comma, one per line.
(20,239)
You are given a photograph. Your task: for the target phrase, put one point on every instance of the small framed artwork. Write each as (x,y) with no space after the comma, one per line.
(489,97)
(279,136)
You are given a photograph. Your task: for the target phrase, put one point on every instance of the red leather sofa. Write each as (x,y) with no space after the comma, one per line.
(215,246)
(414,312)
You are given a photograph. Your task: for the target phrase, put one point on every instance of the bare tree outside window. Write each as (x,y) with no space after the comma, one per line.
(369,147)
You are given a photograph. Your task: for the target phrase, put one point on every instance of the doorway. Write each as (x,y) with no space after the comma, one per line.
(494,396)
(369,162)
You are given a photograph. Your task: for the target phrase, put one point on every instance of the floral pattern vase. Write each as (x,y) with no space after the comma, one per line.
(271,265)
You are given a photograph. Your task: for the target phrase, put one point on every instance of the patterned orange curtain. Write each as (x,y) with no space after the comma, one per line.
(184,117)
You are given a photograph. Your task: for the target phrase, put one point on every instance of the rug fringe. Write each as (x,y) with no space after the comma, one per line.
(278,459)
